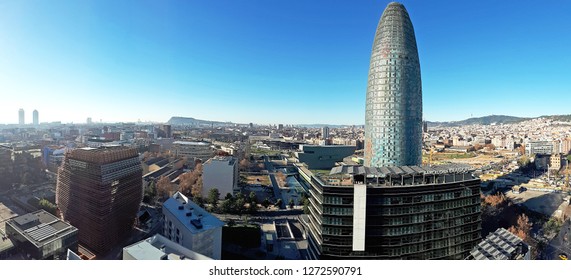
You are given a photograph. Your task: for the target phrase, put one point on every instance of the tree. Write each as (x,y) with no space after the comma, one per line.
(150,193)
(522,228)
(197,173)
(164,187)
(266,203)
(496,200)
(244,164)
(190,183)
(48,206)
(227,206)
(252,197)
(239,205)
(305,205)
(186,180)
(213,196)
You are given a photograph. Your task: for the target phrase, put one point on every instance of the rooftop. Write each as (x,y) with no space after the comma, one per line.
(348,175)
(499,245)
(159,247)
(190,214)
(41,227)
(401,170)
(228,159)
(191,143)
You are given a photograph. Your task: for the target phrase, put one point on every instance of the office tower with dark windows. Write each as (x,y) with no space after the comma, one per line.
(392,207)
(393,115)
(406,212)
(99,191)
(21,117)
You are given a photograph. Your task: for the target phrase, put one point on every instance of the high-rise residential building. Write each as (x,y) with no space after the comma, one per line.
(89,121)
(36,118)
(393,117)
(325,132)
(99,191)
(21,117)
(392,208)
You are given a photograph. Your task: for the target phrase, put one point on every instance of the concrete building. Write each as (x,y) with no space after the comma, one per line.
(501,245)
(159,247)
(36,118)
(99,192)
(192,150)
(21,117)
(539,148)
(393,118)
(42,236)
(555,162)
(566,146)
(323,156)
(221,173)
(192,227)
(406,212)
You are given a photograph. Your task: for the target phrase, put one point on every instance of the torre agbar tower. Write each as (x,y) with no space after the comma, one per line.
(393,120)
(393,207)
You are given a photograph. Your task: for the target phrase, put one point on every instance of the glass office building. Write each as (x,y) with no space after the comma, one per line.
(407,212)
(393,119)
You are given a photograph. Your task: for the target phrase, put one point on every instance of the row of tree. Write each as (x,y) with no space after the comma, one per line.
(23,169)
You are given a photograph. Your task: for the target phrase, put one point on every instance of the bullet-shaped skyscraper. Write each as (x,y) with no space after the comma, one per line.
(393,120)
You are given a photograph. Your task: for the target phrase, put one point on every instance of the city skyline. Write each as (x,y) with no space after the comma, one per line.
(71,61)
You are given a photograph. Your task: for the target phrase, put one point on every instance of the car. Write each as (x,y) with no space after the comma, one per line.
(563,256)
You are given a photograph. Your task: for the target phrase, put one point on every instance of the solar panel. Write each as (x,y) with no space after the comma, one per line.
(42,233)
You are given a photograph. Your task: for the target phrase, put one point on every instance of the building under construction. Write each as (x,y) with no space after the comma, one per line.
(99,191)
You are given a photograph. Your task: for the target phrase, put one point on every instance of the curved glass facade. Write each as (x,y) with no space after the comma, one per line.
(393,120)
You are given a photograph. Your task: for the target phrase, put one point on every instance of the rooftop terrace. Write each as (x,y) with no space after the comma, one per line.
(349,175)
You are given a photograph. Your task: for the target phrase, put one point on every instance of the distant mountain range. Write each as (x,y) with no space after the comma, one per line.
(195,122)
(498,119)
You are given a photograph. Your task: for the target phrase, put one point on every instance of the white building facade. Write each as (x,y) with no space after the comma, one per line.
(192,150)
(221,173)
(192,227)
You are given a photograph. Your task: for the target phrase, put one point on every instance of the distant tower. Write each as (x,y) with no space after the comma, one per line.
(36,118)
(393,118)
(99,192)
(325,132)
(21,119)
(89,121)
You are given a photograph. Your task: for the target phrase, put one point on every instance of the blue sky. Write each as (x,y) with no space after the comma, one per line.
(272,61)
